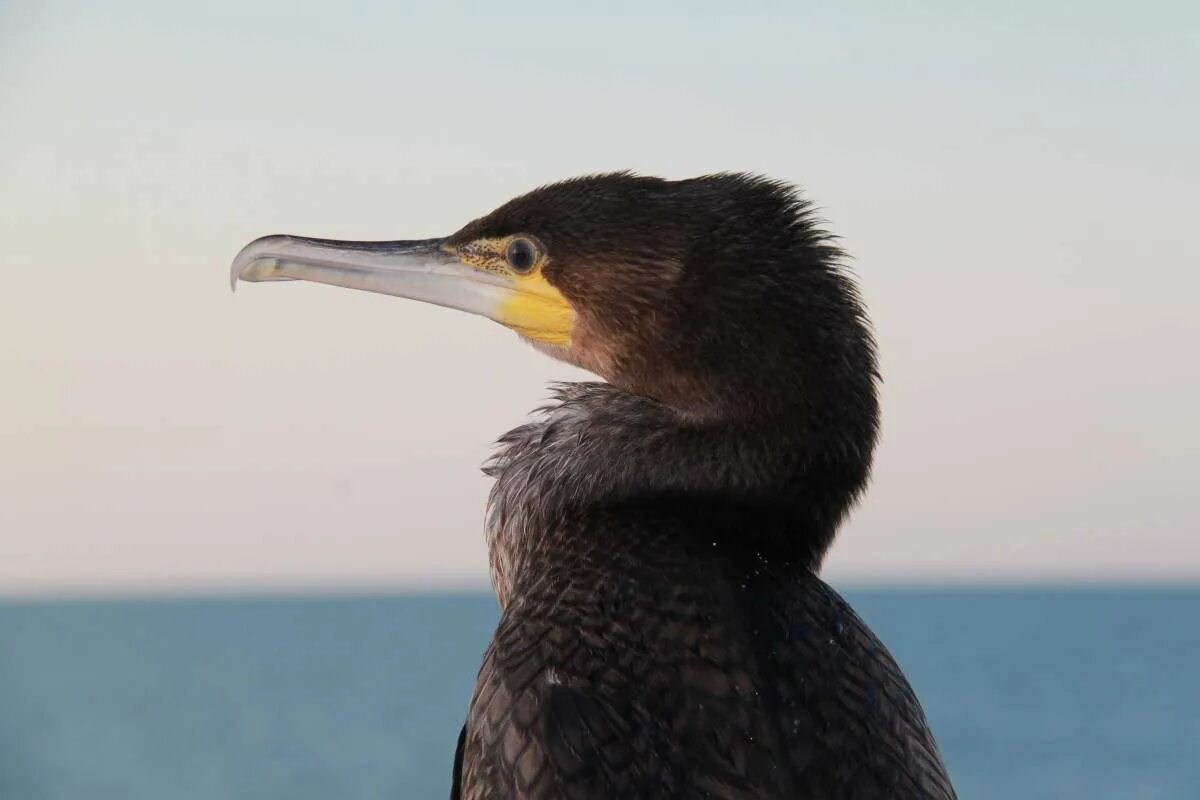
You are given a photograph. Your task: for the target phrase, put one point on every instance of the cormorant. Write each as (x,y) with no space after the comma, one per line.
(655,539)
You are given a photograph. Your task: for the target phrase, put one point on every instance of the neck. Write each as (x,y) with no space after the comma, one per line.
(599,446)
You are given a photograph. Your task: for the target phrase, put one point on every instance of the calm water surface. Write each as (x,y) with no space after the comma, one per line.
(1032,693)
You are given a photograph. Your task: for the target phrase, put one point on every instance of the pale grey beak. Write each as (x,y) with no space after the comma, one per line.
(420,270)
(423,270)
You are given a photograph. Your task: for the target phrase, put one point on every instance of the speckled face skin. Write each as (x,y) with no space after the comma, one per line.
(536,310)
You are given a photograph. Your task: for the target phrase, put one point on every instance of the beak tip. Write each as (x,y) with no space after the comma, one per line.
(258,252)
(236,272)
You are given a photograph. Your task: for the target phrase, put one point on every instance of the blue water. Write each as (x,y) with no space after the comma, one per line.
(1032,694)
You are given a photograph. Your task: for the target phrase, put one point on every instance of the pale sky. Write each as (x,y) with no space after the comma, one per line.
(1019,192)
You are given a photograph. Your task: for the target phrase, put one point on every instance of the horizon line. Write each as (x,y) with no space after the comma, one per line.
(332,590)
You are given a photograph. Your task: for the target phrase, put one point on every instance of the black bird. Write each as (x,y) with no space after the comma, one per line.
(655,539)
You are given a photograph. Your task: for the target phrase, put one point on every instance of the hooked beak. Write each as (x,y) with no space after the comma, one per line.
(423,270)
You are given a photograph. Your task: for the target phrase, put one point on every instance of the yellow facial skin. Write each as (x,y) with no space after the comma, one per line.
(534,308)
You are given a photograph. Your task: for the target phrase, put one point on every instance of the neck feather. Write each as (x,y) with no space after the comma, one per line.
(596,446)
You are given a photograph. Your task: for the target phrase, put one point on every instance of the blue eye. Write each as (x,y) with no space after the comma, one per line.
(521,255)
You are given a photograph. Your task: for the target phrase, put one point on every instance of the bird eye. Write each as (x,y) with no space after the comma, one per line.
(521,255)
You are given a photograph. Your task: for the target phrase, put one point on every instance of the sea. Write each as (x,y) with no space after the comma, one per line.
(1032,693)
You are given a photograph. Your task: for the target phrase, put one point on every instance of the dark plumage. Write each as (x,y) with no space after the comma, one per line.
(655,540)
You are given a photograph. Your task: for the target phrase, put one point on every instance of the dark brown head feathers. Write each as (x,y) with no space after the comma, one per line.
(720,308)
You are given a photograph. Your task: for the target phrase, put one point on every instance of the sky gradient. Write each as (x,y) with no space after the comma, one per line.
(1018,192)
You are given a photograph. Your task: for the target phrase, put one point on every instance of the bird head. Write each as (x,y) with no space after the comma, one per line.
(706,294)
